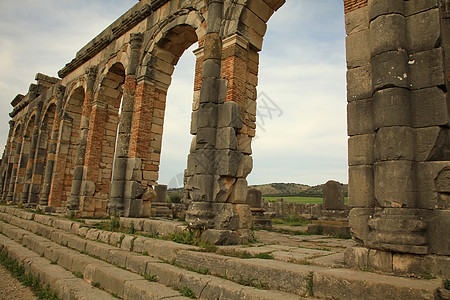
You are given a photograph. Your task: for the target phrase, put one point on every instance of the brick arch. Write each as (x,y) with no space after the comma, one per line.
(15,144)
(24,157)
(46,125)
(101,142)
(68,139)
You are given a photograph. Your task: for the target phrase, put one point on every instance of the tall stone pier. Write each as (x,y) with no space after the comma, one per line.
(399,145)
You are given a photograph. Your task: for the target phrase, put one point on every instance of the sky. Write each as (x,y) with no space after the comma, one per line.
(301,114)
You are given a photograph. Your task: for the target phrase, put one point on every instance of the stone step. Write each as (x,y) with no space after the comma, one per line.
(124,284)
(63,282)
(95,270)
(275,275)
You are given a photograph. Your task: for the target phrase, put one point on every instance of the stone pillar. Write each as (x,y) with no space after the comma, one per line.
(215,191)
(333,196)
(6,162)
(32,155)
(121,200)
(93,156)
(15,161)
(62,151)
(398,126)
(78,172)
(38,165)
(51,156)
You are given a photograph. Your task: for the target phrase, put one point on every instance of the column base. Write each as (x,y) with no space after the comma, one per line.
(401,264)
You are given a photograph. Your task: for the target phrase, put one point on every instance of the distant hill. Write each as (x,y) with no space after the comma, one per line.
(292,189)
(282,190)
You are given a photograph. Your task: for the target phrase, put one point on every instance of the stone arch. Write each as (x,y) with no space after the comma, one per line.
(68,139)
(24,157)
(104,120)
(153,78)
(11,172)
(46,125)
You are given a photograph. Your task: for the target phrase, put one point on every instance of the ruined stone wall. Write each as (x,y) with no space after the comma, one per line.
(69,146)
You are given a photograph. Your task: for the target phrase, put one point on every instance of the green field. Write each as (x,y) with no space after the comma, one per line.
(298,199)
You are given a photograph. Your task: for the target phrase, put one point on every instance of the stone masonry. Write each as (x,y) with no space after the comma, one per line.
(61,150)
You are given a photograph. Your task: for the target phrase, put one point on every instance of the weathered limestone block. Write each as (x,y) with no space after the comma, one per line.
(200,215)
(432,143)
(226,216)
(229,115)
(360,117)
(398,229)
(358,219)
(380,260)
(226,138)
(207,115)
(227,162)
(392,107)
(239,192)
(203,187)
(252,20)
(206,138)
(333,195)
(360,149)
(133,190)
(387,33)
(357,20)
(414,7)
(221,237)
(394,143)
(427,69)
(254,198)
(87,188)
(261,9)
(161,193)
(359,83)
(222,188)
(442,181)
(244,143)
(390,69)
(395,184)
(245,166)
(361,186)
(384,7)
(357,49)
(134,169)
(424,30)
(437,234)
(432,184)
(356,257)
(429,107)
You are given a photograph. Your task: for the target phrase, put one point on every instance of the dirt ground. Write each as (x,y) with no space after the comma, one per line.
(11,288)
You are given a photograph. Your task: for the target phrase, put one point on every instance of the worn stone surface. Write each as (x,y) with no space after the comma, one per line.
(333,195)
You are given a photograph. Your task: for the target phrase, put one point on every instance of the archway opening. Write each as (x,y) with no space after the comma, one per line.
(301,106)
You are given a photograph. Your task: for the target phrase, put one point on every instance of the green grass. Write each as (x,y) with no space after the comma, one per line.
(299,199)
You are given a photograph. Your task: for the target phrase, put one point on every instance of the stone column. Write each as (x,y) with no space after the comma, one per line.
(15,162)
(121,201)
(93,156)
(51,156)
(398,120)
(32,155)
(212,182)
(6,162)
(74,199)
